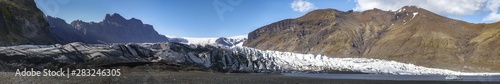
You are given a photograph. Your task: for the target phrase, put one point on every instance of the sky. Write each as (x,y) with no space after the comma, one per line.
(225,18)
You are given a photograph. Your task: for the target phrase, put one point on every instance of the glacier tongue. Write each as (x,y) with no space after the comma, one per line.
(253,60)
(207,57)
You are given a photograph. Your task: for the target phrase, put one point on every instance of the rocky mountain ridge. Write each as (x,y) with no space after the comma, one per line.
(116,29)
(113,29)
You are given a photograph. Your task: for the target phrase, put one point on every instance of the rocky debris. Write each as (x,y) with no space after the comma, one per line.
(21,22)
(113,29)
(410,34)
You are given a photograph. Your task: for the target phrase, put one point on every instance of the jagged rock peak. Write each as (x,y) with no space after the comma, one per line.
(113,17)
(55,19)
(113,29)
(135,21)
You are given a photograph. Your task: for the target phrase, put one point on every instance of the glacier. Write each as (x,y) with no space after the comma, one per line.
(229,41)
(210,57)
(270,61)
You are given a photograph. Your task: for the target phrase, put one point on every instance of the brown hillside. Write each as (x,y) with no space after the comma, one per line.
(410,34)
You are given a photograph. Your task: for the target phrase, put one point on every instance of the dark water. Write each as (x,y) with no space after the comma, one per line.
(495,78)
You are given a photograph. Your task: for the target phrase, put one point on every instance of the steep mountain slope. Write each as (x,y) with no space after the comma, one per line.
(21,22)
(410,35)
(113,29)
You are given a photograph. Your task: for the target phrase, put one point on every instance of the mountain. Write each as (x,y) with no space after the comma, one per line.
(116,29)
(113,29)
(410,35)
(21,22)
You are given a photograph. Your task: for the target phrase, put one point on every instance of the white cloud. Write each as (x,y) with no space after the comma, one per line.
(443,7)
(446,7)
(302,5)
(492,6)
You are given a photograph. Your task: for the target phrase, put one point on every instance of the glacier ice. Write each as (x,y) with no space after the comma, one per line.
(215,57)
(229,41)
(254,60)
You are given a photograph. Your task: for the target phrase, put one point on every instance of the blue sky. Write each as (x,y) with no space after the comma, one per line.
(200,18)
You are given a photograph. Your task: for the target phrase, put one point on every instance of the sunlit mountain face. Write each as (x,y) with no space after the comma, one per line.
(409,34)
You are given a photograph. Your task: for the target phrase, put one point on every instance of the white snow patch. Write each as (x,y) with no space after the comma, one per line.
(414,14)
(239,37)
(170,36)
(201,41)
(401,10)
(240,44)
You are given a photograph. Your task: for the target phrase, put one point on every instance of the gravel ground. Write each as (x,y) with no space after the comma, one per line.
(197,77)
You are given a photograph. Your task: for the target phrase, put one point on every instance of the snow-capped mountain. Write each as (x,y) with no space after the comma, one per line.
(225,41)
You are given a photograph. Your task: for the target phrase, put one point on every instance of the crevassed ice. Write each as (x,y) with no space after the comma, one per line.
(254,60)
